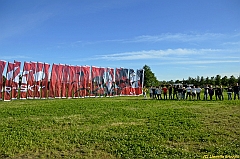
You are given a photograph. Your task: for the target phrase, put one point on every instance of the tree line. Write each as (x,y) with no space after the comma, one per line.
(151,80)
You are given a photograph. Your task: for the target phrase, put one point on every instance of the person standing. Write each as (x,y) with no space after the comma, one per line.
(184,93)
(165,90)
(180,91)
(159,93)
(220,93)
(206,89)
(170,92)
(175,88)
(211,92)
(236,91)
(145,92)
(216,92)
(194,92)
(151,92)
(188,89)
(198,91)
(229,92)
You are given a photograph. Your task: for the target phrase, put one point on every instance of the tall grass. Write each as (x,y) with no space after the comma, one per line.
(122,127)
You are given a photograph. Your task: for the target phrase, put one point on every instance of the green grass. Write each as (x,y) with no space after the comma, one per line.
(121,127)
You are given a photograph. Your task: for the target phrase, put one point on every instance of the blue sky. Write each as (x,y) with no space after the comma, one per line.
(177,39)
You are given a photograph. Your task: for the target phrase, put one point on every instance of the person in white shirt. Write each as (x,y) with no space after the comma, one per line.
(188,89)
(194,92)
(198,91)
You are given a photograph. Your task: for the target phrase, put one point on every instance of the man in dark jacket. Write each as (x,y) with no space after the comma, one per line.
(236,91)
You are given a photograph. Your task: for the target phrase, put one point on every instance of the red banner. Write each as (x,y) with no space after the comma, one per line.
(71,81)
(65,80)
(109,81)
(101,81)
(24,83)
(84,80)
(38,79)
(77,81)
(59,81)
(15,83)
(53,81)
(31,80)
(122,81)
(95,80)
(8,83)
(2,66)
(45,82)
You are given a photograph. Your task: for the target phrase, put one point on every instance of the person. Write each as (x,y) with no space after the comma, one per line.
(236,91)
(194,92)
(180,91)
(220,93)
(151,91)
(206,88)
(159,93)
(165,90)
(154,92)
(188,89)
(183,93)
(211,92)
(198,91)
(145,92)
(170,92)
(229,92)
(216,92)
(175,88)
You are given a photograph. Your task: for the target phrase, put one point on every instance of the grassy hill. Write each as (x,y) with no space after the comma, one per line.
(119,127)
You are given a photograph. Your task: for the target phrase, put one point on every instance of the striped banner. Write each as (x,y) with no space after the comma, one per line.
(53,81)
(2,67)
(8,83)
(45,81)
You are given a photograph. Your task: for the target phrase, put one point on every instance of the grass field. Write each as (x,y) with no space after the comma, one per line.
(119,127)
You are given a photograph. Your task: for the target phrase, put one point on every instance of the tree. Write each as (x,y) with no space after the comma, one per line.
(149,77)
(218,80)
(224,81)
(232,80)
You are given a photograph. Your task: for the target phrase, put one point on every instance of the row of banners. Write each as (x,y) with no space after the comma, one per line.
(66,81)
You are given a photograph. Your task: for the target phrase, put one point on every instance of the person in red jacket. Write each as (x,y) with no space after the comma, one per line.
(165,90)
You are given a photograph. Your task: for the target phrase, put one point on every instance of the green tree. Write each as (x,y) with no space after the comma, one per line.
(232,80)
(224,81)
(218,80)
(149,77)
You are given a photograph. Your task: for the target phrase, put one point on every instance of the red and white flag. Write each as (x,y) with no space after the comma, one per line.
(109,81)
(71,81)
(2,67)
(102,71)
(65,80)
(16,75)
(38,79)
(59,81)
(45,84)
(31,81)
(139,79)
(76,81)
(117,81)
(8,83)
(24,82)
(95,81)
(53,81)
(84,80)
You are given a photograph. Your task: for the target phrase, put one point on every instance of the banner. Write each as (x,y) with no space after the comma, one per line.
(101,81)
(76,81)
(45,81)
(24,81)
(132,82)
(122,81)
(38,80)
(15,82)
(8,83)
(65,80)
(139,79)
(2,67)
(71,81)
(59,74)
(95,81)
(117,81)
(31,80)
(84,81)
(53,81)
(109,75)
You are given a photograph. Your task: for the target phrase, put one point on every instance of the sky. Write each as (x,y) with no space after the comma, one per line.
(176,39)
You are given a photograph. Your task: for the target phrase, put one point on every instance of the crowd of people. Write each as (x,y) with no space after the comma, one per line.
(191,92)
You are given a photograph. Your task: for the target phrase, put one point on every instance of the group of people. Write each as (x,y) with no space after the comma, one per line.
(180,92)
